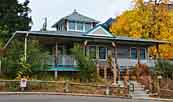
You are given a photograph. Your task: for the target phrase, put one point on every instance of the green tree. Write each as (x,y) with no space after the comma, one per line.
(86,65)
(164,68)
(14,64)
(14,15)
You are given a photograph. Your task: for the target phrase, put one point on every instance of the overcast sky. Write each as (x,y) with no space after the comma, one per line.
(55,9)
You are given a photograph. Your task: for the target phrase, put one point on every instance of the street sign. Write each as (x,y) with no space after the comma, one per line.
(23,83)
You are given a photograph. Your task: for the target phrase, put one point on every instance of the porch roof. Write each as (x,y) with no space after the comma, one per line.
(82,35)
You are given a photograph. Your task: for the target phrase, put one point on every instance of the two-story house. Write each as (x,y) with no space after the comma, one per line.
(77,28)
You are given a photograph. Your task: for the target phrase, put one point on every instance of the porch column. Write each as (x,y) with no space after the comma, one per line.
(105,72)
(115,64)
(138,62)
(0,65)
(25,47)
(85,46)
(97,67)
(138,56)
(56,60)
(158,52)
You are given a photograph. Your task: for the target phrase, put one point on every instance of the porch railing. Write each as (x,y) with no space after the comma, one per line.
(62,60)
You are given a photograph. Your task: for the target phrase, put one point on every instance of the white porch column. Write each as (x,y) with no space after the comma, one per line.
(25,47)
(56,74)
(115,64)
(56,60)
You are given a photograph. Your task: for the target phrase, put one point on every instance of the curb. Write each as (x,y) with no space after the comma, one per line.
(154,99)
(56,93)
(77,94)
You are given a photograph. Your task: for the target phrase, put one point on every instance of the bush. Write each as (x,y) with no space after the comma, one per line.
(164,68)
(86,65)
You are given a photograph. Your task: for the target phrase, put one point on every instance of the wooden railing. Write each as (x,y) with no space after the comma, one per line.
(62,60)
(63,87)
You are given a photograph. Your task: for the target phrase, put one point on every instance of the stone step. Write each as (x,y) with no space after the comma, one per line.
(139,88)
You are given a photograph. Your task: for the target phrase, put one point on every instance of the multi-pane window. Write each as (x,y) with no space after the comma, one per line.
(92,52)
(80,26)
(97,52)
(142,53)
(133,53)
(72,26)
(102,53)
(87,27)
(123,52)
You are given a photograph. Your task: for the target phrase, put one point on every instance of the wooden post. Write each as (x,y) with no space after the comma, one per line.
(158,52)
(56,60)
(98,70)
(105,72)
(115,64)
(138,63)
(56,74)
(25,47)
(85,45)
(0,64)
(138,55)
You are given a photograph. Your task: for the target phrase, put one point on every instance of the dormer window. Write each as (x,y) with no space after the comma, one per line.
(72,26)
(75,22)
(88,27)
(79,26)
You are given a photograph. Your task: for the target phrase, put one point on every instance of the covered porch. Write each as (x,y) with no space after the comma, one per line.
(61,59)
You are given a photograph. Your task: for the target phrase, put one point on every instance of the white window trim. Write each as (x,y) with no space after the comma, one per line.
(105,55)
(68,28)
(97,52)
(145,52)
(139,52)
(131,53)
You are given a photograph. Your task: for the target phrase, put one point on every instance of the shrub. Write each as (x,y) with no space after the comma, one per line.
(86,65)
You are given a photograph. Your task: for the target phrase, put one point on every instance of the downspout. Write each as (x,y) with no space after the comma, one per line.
(25,46)
(6,45)
(8,42)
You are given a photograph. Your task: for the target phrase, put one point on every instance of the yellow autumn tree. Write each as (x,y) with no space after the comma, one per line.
(151,20)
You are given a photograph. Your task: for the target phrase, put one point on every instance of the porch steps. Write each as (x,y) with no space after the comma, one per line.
(139,91)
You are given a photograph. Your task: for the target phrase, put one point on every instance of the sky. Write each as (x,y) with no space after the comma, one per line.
(100,10)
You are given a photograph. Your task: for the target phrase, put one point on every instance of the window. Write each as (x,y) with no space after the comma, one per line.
(92,52)
(133,53)
(80,26)
(123,52)
(72,26)
(87,27)
(142,53)
(102,53)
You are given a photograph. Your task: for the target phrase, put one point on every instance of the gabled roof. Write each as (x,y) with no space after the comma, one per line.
(99,30)
(75,16)
(107,24)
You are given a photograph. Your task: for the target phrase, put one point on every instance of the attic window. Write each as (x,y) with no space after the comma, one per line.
(80,26)
(72,26)
(87,27)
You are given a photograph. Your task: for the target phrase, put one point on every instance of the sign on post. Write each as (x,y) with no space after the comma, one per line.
(23,84)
